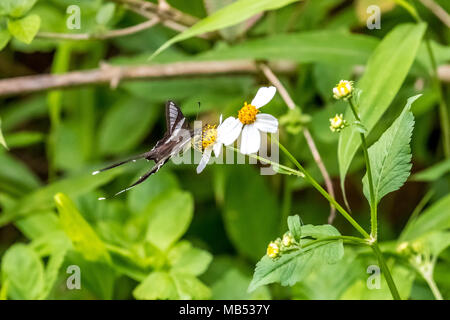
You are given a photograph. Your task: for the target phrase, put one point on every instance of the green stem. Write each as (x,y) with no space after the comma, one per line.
(373,203)
(434,288)
(386,272)
(316,185)
(334,238)
(443,110)
(272,163)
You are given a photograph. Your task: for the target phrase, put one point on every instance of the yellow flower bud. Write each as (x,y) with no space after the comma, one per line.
(273,250)
(343,90)
(288,240)
(337,123)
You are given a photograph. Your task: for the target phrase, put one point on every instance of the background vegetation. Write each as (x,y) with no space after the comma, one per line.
(181,235)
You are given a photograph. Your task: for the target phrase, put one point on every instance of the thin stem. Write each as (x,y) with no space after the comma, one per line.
(373,203)
(309,139)
(101,36)
(443,110)
(386,272)
(272,163)
(316,185)
(334,238)
(434,288)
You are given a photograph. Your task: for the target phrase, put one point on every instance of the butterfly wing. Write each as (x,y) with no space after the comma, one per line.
(175,118)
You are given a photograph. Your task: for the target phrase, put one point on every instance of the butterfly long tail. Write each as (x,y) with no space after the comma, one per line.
(147,155)
(153,170)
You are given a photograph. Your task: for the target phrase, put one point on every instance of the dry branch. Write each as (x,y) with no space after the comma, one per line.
(114,74)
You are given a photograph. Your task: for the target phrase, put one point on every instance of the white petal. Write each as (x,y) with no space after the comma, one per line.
(220,119)
(229,130)
(217,148)
(263,96)
(204,160)
(250,140)
(266,123)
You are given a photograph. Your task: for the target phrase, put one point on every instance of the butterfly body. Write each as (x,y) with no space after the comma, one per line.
(176,139)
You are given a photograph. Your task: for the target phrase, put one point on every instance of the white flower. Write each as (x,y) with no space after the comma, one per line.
(250,122)
(208,142)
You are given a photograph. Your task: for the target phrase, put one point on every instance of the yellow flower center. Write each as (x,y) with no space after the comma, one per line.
(336,122)
(272,250)
(247,114)
(206,138)
(343,89)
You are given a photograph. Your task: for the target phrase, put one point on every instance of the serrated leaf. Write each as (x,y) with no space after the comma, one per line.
(386,70)
(294,226)
(25,29)
(228,16)
(297,264)
(16,8)
(390,156)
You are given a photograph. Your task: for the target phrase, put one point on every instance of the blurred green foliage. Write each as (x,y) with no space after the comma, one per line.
(181,235)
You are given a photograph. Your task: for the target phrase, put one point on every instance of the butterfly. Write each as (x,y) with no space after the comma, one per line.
(176,139)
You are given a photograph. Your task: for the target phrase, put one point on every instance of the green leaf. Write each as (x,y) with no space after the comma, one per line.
(16,8)
(42,199)
(294,226)
(170,216)
(384,75)
(125,125)
(2,139)
(434,218)
(5,36)
(295,265)
(331,47)
(187,259)
(139,198)
(25,29)
(189,287)
(403,278)
(432,173)
(233,286)
(24,271)
(157,285)
(390,156)
(105,13)
(251,212)
(51,271)
(230,15)
(79,231)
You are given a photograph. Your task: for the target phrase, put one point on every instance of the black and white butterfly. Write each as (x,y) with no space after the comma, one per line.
(176,139)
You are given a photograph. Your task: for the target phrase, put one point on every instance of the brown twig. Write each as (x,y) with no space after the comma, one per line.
(171,24)
(101,36)
(162,10)
(114,74)
(438,11)
(309,139)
